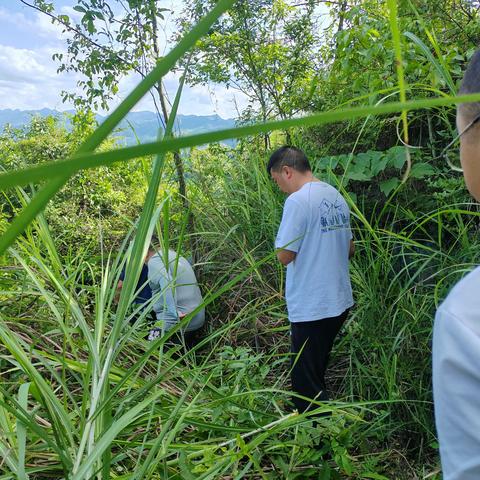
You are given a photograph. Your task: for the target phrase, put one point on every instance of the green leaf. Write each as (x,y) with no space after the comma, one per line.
(374,476)
(442,72)
(91,26)
(362,160)
(396,157)
(357,175)
(105,441)
(79,8)
(421,170)
(387,186)
(184,468)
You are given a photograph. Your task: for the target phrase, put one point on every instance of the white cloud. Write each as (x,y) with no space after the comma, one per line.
(38,22)
(29,79)
(46,29)
(73,14)
(15,18)
(195,100)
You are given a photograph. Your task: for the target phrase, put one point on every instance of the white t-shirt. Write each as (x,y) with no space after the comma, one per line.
(456,379)
(316,225)
(175,294)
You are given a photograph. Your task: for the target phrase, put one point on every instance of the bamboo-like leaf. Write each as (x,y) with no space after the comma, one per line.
(441,70)
(59,416)
(402,86)
(109,436)
(22,432)
(16,410)
(79,162)
(73,306)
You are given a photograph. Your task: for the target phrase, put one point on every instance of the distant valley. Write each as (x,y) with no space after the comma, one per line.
(138,126)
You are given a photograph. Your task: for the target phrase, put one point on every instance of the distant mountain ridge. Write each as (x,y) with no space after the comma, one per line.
(143,125)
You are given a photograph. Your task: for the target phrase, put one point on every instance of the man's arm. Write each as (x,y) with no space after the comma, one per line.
(285,256)
(116,297)
(162,287)
(291,232)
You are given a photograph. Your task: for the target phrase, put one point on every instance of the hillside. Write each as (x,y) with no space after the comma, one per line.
(143,125)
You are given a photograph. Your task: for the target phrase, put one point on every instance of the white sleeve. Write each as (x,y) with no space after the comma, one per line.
(456,390)
(292,227)
(161,282)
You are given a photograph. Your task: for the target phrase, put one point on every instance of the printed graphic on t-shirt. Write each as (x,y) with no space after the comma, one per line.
(333,215)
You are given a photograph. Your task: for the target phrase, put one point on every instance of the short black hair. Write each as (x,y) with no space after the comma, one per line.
(154,242)
(288,156)
(471,84)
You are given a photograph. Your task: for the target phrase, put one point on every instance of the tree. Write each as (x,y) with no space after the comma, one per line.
(93,203)
(265,49)
(113,38)
(359,68)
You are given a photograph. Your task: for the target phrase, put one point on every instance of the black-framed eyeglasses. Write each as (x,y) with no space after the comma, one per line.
(444,152)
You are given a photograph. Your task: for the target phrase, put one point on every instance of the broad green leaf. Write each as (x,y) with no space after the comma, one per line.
(387,186)
(359,176)
(396,157)
(379,164)
(421,170)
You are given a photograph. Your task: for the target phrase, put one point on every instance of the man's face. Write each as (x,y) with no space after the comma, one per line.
(469,153)
(282,178)
(462,122)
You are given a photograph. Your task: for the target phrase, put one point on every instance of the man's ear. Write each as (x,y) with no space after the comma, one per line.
(288,171)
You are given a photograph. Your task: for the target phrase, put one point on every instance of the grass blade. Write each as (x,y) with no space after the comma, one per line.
(22,432)
(79,162)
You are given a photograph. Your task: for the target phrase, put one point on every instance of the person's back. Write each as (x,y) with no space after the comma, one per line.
(143,290)
(177,290)
(187,291)
(318,284)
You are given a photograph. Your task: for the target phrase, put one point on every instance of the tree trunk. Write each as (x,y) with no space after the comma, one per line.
(179,167)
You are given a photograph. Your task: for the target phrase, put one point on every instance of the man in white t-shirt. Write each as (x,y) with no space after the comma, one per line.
(176,293)
(314,241)
(456,335)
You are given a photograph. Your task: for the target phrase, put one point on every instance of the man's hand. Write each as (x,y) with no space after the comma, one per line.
(351,250)
(285,256)
(116,297)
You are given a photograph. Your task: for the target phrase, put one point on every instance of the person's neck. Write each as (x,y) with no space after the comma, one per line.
(304,179)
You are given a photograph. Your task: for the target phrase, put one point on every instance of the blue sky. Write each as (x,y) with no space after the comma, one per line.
(29,80)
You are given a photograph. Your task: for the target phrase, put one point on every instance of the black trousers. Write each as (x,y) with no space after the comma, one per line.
(190,339)
(311,344)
